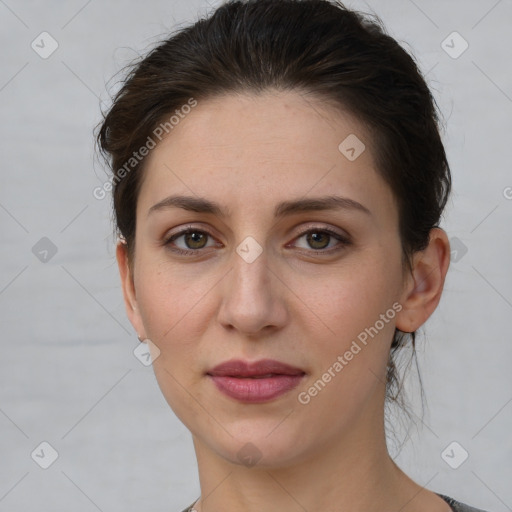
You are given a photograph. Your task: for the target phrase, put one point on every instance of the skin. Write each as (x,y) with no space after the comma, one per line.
(249,153)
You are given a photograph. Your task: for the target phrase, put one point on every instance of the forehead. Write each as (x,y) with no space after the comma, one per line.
(271,145)
(272,122)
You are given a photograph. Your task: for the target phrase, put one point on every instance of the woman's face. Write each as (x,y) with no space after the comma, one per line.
(262,279)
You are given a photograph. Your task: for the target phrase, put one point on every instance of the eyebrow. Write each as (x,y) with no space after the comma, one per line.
(283,209)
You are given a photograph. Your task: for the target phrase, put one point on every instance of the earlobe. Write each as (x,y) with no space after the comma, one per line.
(425,286)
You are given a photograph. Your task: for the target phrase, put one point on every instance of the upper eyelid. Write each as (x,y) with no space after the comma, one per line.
(309,226)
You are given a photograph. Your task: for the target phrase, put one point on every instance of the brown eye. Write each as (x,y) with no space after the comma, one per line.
(318,240)
(193,239)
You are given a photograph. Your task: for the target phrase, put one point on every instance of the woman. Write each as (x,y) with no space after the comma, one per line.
(278,182)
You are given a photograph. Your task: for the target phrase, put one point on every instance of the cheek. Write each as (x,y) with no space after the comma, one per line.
(354,299)
(173,313)
(354,351)
(168,296)
(176,309)
(358,321)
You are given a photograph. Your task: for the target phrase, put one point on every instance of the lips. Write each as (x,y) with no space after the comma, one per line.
(256,382)
(259,369)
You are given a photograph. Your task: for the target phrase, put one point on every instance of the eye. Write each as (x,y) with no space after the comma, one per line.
(194,239)
(319,239)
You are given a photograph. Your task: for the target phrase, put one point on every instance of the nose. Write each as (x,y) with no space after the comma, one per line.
(253,297)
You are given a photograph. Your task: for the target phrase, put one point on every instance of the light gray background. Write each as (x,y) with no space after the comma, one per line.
(68,373)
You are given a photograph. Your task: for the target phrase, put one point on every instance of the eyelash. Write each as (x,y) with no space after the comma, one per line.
(344,241)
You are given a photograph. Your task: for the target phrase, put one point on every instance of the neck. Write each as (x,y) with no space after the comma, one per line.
(351,472)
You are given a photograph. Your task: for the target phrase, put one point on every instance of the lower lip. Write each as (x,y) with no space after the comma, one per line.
(253,390)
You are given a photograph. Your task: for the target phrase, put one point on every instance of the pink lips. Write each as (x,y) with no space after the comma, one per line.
(256,382)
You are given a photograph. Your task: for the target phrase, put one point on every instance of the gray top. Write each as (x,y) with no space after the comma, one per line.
(455,505)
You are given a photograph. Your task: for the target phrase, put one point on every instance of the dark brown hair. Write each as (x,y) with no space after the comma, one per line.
(315,46)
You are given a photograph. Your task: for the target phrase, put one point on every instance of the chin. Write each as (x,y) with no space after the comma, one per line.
(264,444)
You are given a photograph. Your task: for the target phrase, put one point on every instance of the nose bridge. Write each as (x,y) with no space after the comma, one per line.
(249,300)
(251,274)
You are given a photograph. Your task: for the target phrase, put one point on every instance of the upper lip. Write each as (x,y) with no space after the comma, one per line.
(240,368)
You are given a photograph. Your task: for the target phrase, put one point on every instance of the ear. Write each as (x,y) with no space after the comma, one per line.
(128,286)
(423,289)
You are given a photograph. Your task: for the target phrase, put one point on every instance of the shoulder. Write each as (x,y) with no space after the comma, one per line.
(189,508)
(456,506)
